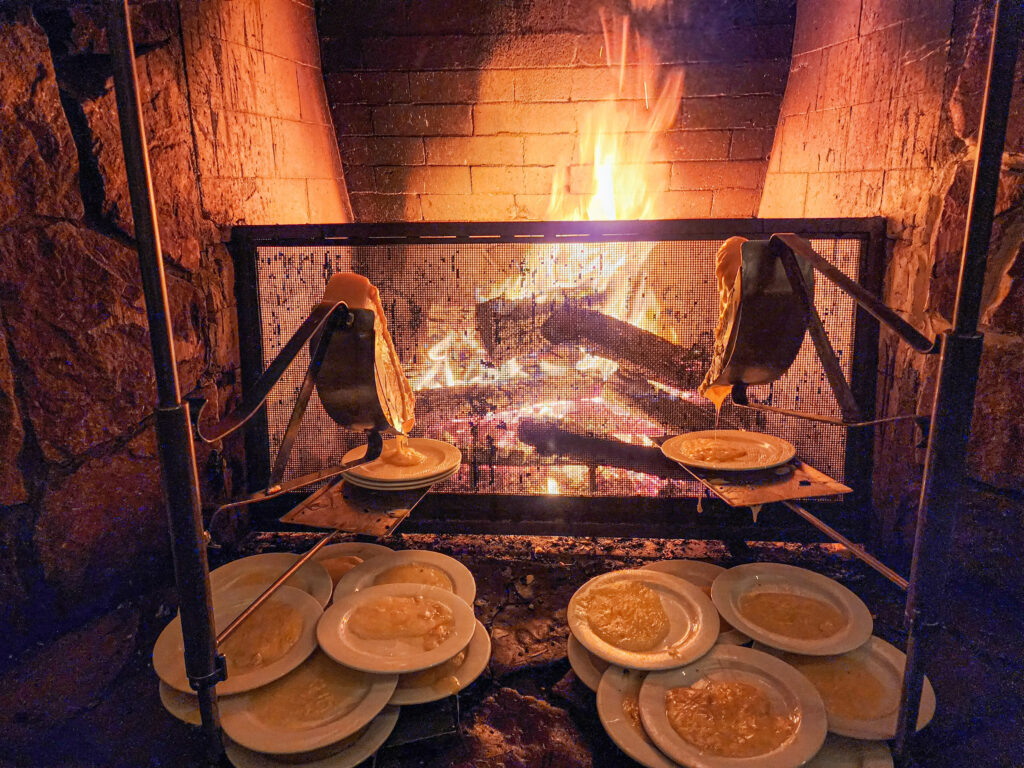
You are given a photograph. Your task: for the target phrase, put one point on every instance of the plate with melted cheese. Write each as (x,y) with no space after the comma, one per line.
(317,704)
(792,609)
(412,566)
(404,460)
(347,753)
(341,558)
(643,619)
(728,450)
(396,628)
(735,706)
(861,689)
(701,575)
(274,640)
(447,678)
(618,706)
(588,667)
(260,571)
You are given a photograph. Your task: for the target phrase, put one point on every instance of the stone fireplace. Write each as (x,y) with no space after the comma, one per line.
(271,112)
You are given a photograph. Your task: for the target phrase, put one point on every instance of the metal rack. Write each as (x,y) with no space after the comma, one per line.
(960,351)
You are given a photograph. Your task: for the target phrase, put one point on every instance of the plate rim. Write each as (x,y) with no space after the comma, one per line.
(806,743)
(177,704)
(463,582)
(476,652)
(581,662)
(730,636)
(884,727)
(789,450)
(451,455)
(330,624)
(313,572)
(295,656)
(236,713)
(610,693)
(702,641)
(410,485)
(376,734)
(859,626)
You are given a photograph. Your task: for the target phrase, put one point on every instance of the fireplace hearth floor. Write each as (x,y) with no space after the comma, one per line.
(527,709)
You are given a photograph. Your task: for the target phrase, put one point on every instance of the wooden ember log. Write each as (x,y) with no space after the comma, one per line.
(553,438)
(673,413)
(509,329)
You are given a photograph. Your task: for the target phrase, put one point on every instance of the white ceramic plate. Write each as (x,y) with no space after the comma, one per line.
(478,653)
(840,752)
(587,666)
(168,653)
(262,570)
(788,690)
(369,741)
(363,550)
(364,574)
(885,663)
(761,451)
(184,706)
(438,458)
(731,586)
(617,685)
(701,575)
(246,722)
(392,656)
(693,622)
(411,485)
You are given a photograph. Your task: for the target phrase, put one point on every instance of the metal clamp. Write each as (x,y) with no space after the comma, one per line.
(219,674)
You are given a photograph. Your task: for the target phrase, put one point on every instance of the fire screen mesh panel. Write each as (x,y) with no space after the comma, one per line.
(555,367)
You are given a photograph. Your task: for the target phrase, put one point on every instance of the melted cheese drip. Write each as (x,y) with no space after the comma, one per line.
(392,385)
(398,453)
(631,709)
(317,692)
(730,719)
(847,686)
(415,573)
(263,638)
(444,675)
(405,618)
(713,449)
(339,566)
(626,614)
(728,261)
(803,618)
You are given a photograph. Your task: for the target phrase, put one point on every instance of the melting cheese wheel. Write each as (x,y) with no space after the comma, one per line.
(392,386)
(727,273)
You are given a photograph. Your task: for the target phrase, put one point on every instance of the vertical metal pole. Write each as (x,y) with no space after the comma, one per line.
(958,374)
(173,428)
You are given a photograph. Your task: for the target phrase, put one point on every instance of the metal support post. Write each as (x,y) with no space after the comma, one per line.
(173,427)
(958,373)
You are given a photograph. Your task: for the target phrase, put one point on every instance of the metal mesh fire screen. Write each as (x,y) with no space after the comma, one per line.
(555,356)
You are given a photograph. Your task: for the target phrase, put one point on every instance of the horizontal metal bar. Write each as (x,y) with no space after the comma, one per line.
(237,622)
(825,419)
(854,549)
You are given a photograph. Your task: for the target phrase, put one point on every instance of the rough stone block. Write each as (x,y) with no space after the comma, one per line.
(376,207)
(423,120)
(783,196)
(328,201)
(282,73)
(735,203)
(462,86)
(241,22)
(994,452)
(468,207)
(12,486)
(104,522)
(728,112)
(755,144)
(820,24)
(475,150)
(866,122)
(846,194)
(38,161)
(532,85)
(352,119)
(290,31)
(354,87)
(717,175)
(688,204)
(435,179)
(805,74)
(553,149)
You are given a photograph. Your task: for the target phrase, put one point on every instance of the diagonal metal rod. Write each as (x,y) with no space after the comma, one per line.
(173,428)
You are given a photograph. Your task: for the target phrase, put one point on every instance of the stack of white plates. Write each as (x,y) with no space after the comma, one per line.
(440,461)
(269,714)
(631,686)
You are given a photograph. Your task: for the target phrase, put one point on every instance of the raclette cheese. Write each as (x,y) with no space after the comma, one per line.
(263,638)
(728,261)
(626,614)
(790,615)
(418,619)
(415,573)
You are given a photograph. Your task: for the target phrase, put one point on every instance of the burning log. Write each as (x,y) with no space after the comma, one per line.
(511,328)
(671,412)
(551,437)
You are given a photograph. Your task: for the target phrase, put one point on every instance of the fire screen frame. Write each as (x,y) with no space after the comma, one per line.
(582,515)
